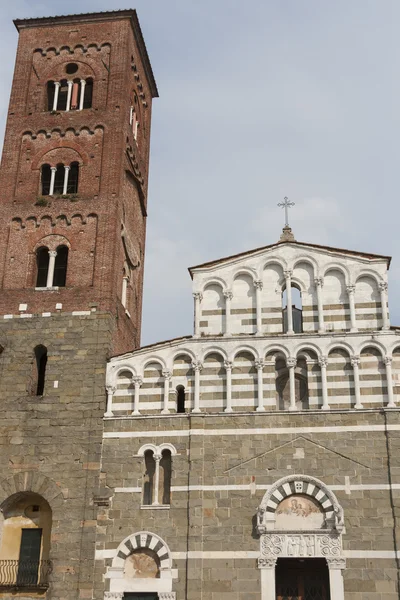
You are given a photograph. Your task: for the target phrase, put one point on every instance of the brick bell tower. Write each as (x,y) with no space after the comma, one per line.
(73,200)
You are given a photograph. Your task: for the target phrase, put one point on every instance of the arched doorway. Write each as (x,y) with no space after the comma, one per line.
(301,523)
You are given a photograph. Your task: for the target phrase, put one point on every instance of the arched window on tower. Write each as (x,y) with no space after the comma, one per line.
(42,262)
(297,312)
(46,178)
(39,376)
(88,95)
(180,399)
(69,94)
(157,477)
(73,178)
(60,267)
(59,179)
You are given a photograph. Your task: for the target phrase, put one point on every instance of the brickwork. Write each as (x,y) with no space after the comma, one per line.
(103,224)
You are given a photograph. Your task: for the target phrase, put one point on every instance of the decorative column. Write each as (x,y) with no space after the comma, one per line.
(66,175)
(197,366)
(157,458)
(82,97)
(52,180)
(323,363)
(259,364)
(110,393)
(198,297)
(57,86)
(389,381)
(124,293)
(353,323)
(137,382)
(52,264)
(69,94)
(167,378)
(258,284)
(336,566)
(289,314)
(228,298)
(291,365)
(383,287)
(355,363)
(228,368)
(319,282)
(267,567)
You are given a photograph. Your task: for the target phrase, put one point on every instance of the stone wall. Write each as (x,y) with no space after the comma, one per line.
(223,467)
(51,445)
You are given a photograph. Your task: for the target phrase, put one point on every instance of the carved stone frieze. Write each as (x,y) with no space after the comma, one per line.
(166,595)
(336,563)
(266,563)
(113,595)
(300,545)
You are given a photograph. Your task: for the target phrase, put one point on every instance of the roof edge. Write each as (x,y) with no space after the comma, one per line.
(149,346)
(280,243)
(92,18)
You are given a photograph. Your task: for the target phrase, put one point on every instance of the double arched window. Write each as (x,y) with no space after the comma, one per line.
(51,267)
(69,94)
(60,180)
(157,478)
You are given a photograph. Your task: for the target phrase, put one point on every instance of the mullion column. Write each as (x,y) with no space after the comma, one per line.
(198,297)
(259,364)
(389,382)
(57,86)
(355,363)
(137,382)
(228,295)
(353,321)
(319,282)
(52,264)
(289,312)
(228,369)
(383,286)
(66,175)
(258,284)
(197,367)
(167,378)
(323,363)
(291,365)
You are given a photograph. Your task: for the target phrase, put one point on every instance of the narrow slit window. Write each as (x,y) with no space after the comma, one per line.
(51,88)
(41,363)
(180,399)
(148,484)
(62,96)
(42,262)
(60,267)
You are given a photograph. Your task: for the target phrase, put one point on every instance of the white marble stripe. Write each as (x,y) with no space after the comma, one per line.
(246,554)
(250,486)
(249,432)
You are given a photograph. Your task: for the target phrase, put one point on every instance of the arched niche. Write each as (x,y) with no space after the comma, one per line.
(243,308)
(213,310)
(368,303)
(142,563)
(336,301)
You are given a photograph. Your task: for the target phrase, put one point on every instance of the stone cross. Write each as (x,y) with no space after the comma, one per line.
(286,204)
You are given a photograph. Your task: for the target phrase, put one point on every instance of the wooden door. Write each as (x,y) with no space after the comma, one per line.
(302,582)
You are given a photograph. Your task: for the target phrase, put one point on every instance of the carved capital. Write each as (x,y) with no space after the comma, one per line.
(228,364)
(197,365)
(137,381)
(355,361)
(266,563)
(319,282)
(351,289)
(383,286)
(323,361)
(228,295)
(53,253)
(259,365)
(291,363)
(198,296)
(336,563)
(258,284)
(111,389)
(388,360)
(167,374)
(288,273)
(113,595)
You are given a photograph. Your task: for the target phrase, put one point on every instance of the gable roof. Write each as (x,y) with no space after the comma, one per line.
(294,243)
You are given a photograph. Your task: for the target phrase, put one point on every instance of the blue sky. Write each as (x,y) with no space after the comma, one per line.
(258,100)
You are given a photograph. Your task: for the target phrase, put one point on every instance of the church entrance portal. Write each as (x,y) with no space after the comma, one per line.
(302,579)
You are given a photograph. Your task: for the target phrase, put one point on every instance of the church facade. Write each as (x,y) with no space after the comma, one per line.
(256,459)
